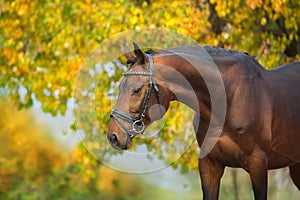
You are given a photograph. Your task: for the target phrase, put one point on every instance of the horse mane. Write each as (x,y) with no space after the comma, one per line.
(152,52)
(198,52)
(218,51)
(211,50)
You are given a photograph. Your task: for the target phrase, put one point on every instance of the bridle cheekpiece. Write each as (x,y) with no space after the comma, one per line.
(137,124)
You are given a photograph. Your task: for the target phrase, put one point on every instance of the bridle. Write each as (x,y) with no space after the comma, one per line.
(137,124)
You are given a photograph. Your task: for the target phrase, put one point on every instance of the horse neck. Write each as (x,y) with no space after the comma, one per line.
(187,83)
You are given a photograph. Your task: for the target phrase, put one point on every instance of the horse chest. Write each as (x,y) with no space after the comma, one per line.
(233,152)
(232,147)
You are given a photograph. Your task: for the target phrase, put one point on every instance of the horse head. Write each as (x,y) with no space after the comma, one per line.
(141,100)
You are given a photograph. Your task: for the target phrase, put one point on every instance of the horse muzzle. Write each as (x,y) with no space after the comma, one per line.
(118,143)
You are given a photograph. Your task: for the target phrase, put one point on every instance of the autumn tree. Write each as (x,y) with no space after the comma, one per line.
(33,165)
(43,43)
(27,154)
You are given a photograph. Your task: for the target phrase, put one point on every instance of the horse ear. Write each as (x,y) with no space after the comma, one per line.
(139,53)
(128,54)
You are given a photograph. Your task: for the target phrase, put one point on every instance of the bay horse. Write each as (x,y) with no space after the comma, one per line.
(261,130)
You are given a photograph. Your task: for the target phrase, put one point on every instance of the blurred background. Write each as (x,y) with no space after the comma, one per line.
(42,46)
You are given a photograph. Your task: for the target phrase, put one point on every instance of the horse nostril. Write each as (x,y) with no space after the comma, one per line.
(114,138)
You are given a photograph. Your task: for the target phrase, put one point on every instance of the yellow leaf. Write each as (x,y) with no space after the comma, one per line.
(263,21)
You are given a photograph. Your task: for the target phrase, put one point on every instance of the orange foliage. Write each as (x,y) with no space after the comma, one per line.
(26,152)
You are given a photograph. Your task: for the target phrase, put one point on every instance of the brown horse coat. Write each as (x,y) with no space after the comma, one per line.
(262,123)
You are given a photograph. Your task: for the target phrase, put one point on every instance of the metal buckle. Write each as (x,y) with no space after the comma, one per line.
(138,126)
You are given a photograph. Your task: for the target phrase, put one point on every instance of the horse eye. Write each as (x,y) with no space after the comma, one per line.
(136,90)
(129,62)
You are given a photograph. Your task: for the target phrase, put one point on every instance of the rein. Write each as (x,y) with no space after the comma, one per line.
(137,124)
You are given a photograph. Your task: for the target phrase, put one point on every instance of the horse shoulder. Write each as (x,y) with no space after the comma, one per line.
(244,105)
